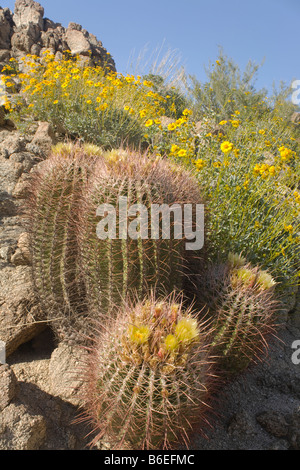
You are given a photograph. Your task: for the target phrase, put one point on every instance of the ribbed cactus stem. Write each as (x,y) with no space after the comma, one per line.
(243,306)
(148,379)
(115,267)
(52,215)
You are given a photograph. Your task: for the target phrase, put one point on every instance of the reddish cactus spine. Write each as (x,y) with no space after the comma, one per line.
(148,379)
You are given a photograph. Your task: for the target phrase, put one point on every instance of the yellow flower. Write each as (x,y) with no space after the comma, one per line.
(272,170)
(218,62)
(246,276)
(265,280)
(199,164)
(246,184)
(182,153)
(174,148)
(262,131)
(55,102)
(138,335)
(187,330)
(222,123)
(289,228)
(172,126)
(226,147)
(171,343)
(285,153)
(149,123)
(143,113)
(129,78)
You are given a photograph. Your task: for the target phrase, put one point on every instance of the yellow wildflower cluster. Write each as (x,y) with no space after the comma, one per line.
(62,82)
(286,153)
(264,170)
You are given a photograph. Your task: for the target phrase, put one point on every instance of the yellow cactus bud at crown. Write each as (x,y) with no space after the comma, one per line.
(237,261)
(265,280)
(187,330)
(139,335)
(171,343)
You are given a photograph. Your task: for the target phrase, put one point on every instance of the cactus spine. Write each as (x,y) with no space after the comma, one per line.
(148,378)
(52,212)
(70,262)
(243,305)
(114,268)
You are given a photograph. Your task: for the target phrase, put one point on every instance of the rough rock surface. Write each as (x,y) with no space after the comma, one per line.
(8,386)
(19,314)
(20,429)
(64,372)
(28,32)
(260,409)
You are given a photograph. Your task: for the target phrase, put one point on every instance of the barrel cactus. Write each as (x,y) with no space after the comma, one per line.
(242,303)
(118,264)
(52,215)
(72,267)
(148,379)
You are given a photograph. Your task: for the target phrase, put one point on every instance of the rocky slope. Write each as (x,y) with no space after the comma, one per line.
(26,31)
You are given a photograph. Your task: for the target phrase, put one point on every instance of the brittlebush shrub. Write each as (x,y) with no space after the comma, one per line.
(252,185)
(245,153)
(97,105)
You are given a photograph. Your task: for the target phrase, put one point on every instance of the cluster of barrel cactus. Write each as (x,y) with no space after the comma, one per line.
(72,266)
(153,360)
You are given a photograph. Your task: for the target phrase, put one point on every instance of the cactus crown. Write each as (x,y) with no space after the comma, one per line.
(160,335)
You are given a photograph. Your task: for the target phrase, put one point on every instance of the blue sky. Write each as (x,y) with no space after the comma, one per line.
(257,29)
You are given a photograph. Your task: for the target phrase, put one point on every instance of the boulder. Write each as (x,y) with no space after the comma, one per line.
(6,29)
(77,42)
(28,12)
(4,54)
(65,373)
(25,37)
(19,313)
(274,423)
(44,138)
(20,429)
(8,386)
